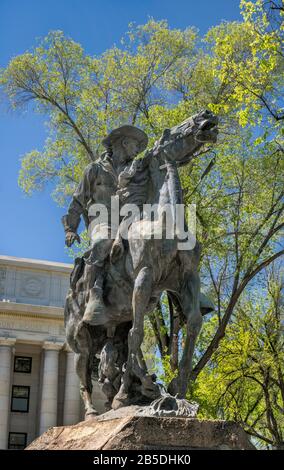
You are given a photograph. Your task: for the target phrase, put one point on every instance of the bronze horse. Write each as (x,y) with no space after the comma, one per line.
(134,283)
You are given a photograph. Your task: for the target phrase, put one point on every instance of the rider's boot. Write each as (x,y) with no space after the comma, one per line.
(95,313)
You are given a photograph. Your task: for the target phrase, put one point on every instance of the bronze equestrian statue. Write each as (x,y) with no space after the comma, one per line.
(130,263)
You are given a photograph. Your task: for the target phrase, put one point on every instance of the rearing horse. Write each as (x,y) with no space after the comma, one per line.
(133,285)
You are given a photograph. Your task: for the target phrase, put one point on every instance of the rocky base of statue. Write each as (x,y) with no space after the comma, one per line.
(167,405)
(140,428)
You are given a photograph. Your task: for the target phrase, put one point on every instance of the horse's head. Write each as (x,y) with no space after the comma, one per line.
(180,142)
(203,127)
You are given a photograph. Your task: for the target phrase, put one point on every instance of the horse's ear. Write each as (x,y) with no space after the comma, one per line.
(166,135)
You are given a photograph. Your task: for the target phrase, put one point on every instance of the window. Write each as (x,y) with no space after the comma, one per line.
(17,440)
(20,398)
(23,364)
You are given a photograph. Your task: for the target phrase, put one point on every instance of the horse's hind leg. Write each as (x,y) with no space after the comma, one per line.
(190,304)
(83,366)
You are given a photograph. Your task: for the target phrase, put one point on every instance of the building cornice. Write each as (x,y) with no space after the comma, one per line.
(35,264)
(29,310)
(7,341)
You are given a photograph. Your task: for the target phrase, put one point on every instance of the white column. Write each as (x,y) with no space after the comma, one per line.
(6,345)
(71,410)
(49,395)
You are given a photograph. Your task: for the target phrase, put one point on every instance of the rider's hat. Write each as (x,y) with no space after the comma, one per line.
(127,131)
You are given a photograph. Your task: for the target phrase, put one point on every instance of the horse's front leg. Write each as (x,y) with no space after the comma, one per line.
(135,366)
(140,299)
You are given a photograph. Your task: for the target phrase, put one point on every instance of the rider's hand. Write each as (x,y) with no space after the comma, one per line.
(70,237)
(116,251)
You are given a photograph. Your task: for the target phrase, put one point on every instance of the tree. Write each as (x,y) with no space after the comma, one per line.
(155,79)
(85,96)
(241,216)
(245,380)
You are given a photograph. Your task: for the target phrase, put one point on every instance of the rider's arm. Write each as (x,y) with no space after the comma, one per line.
(127,174)
(81,196)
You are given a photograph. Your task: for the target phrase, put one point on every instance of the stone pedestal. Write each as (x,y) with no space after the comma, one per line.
(130,428)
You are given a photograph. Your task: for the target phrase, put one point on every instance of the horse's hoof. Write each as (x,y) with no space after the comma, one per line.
(108,406)
(168,405)
(120,400)
(150,389)
(91,414)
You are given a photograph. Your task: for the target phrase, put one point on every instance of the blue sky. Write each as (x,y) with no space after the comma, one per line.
(30,226)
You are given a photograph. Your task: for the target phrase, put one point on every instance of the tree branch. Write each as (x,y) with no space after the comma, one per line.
(229,310)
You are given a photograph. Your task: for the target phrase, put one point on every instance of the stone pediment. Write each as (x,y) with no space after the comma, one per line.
(33,282)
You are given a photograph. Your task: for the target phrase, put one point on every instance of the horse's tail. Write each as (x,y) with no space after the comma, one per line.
(176,321)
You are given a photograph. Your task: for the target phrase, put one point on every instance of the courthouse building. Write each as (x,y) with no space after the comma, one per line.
(38,384)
